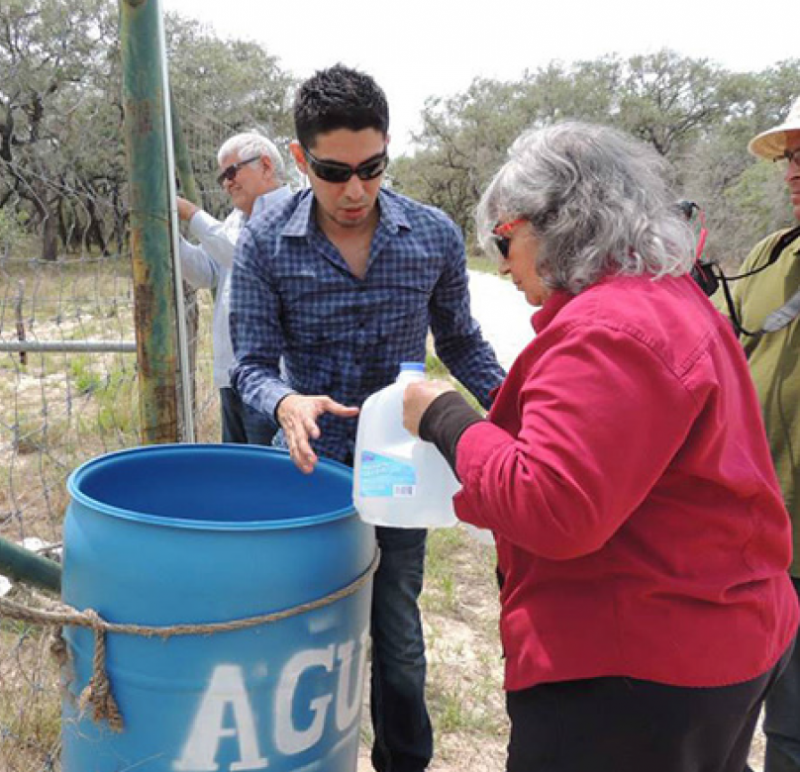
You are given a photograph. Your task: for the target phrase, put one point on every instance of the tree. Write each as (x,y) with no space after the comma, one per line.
(54,67)
(62,159)
(463,141)
(667,100)
(222,87)
(695,113)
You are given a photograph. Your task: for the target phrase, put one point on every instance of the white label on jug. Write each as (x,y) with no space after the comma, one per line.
(386,477)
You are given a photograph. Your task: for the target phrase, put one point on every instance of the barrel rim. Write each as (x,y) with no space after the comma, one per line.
(77,495)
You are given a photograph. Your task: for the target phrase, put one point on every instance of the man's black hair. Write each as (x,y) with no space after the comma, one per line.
(339,98)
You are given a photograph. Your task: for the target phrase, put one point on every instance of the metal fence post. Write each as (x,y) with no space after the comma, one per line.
(23,565)
(154,285)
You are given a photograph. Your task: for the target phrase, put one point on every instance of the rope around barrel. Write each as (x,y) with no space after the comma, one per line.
(97,694)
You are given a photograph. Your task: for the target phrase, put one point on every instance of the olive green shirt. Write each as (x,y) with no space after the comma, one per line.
(774,360)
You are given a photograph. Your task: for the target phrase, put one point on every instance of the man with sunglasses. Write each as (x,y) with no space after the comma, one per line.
(252,173)
(767,303)
(344,282)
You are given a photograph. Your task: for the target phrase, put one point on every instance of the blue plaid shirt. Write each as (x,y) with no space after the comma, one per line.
(293,296)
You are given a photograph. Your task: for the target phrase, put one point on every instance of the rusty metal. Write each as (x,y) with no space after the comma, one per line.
(151,243)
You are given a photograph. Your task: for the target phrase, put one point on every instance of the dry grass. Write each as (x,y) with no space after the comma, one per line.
(465,668)
(29,704)
(58,410)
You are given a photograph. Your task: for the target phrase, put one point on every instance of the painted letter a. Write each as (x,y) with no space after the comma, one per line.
(201,749)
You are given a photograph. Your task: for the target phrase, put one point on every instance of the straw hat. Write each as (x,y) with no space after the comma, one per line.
(771,144)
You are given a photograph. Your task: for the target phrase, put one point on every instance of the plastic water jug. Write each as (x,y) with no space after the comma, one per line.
(399,480)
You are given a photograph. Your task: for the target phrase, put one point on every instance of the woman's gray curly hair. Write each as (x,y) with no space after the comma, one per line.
(598,202)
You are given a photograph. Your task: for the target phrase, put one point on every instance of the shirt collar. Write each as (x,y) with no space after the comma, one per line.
(270,199)
(392,215)
(297,225)
(557,300)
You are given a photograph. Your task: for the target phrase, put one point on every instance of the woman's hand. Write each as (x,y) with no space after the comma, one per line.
(416,400)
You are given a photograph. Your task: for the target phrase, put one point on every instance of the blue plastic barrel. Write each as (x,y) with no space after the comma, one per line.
(173,534)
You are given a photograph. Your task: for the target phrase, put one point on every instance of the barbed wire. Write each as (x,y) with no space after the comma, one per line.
(60,405)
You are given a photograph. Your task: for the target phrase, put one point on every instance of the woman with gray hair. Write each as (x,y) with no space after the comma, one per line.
(641,537)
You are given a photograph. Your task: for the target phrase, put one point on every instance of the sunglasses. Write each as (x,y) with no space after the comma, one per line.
(334,171)
(790,156)
(229,172)
(500,235)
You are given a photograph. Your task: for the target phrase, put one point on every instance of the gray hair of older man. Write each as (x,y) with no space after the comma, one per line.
(251,144)
(598,202)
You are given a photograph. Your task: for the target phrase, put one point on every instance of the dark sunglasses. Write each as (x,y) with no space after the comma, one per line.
(500,237)
(335,171)
(229,172)
(791,156)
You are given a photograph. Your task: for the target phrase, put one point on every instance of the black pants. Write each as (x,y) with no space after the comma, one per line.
(782,719)
(626,725)
(243,425)
(403,733)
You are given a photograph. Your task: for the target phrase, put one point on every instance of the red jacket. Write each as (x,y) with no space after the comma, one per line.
(625,473)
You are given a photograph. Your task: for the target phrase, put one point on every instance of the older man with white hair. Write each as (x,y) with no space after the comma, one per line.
(253,174)
(766,312)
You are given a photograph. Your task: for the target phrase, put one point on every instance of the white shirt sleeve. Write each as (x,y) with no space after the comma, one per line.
(201,263)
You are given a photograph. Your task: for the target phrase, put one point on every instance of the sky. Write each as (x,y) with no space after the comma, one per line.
(421,48)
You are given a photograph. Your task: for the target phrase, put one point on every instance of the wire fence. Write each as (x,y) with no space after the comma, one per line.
(68,388)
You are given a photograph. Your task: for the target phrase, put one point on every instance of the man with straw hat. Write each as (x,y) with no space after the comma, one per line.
(767,304)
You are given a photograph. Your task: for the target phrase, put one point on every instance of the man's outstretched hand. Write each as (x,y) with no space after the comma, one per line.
(297,415)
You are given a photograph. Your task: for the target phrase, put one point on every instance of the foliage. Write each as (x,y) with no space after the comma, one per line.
(696,114)
(62,157)
(11,232)
(56,65)
(237,81)
(221,87)
(85,378)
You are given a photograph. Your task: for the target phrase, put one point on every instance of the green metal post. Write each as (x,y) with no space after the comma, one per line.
(22,565)
(151,245)
(185,173)
(183,163)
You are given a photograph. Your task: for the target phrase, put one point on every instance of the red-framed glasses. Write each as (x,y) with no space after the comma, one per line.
(500,235)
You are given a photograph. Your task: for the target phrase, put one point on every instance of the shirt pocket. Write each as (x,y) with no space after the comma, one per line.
(312,307)
(317,373)
(404,314)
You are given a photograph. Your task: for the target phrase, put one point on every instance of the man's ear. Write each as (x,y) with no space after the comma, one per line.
(299,156)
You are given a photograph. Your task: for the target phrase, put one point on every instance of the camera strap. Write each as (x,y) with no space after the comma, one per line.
(782,316)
